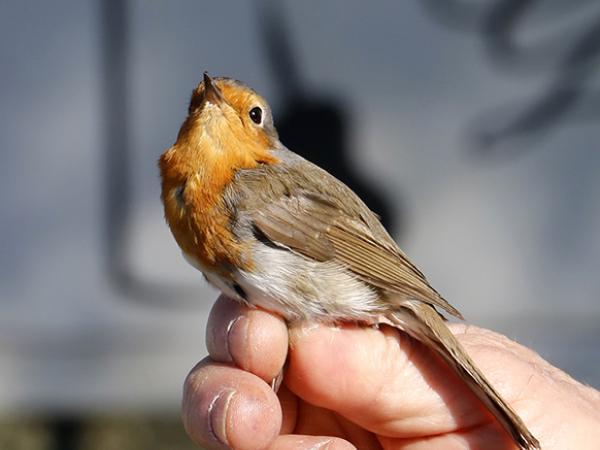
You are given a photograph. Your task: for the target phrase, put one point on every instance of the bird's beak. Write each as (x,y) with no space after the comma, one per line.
(212,93)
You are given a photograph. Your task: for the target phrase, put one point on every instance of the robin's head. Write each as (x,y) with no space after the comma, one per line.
(226,116)
(233,99)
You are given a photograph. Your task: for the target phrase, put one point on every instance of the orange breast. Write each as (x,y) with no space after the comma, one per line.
(200,224)
(197,214)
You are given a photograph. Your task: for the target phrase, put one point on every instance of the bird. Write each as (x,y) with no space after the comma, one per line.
(272,230)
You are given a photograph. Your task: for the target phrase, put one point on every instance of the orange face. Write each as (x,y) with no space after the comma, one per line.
(229,124)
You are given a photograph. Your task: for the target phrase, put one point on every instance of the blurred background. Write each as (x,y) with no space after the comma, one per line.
(471,127)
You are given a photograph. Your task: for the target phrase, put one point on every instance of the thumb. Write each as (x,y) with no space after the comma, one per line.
(389,383)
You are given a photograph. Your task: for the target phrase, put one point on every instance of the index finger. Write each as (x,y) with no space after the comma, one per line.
(253,339)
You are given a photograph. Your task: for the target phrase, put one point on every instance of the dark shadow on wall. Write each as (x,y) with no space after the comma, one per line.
(315,126)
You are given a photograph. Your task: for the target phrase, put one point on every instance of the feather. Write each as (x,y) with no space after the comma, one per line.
(333,226)
(424,324)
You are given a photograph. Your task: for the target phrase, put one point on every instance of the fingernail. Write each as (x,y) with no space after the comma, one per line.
(301,330)
(217,415)
(237,330)
(323,445)
(219,339)
(276,382)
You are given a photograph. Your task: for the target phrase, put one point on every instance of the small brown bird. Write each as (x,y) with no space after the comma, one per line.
(270,229)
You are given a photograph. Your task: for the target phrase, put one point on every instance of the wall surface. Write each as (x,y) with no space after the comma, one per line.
(498,205)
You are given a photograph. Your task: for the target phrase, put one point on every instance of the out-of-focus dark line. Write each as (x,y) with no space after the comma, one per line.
(572,56)
(561,98)
(118,166)
(117,201)
(503,23)
(587,50)
(541,114)
(500,23)
(278,48)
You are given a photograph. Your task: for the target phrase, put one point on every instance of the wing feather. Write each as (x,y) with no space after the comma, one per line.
(318,229)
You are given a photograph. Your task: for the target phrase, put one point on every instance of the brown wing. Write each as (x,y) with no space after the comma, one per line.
(310,224)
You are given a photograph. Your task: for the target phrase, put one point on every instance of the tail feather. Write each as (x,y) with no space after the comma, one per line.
(422,322)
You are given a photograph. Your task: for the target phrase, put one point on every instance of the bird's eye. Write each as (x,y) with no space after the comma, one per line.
(256,115)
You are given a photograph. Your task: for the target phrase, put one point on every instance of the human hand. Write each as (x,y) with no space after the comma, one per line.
(351,387)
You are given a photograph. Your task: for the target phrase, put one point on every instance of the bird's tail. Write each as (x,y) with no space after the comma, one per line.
(423,322)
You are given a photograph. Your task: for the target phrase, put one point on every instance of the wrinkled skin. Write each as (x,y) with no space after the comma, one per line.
(354,387)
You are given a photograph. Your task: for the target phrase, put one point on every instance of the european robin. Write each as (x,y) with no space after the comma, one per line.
(273,230)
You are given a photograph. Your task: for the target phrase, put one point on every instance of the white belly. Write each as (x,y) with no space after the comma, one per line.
(297,288)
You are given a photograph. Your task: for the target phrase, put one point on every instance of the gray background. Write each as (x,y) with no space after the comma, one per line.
(510,235)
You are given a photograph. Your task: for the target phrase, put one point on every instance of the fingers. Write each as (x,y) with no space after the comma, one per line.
(252,339)
(379,379)
(225,407)
(388,383)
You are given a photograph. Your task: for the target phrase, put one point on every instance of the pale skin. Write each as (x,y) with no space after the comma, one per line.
(356,387)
